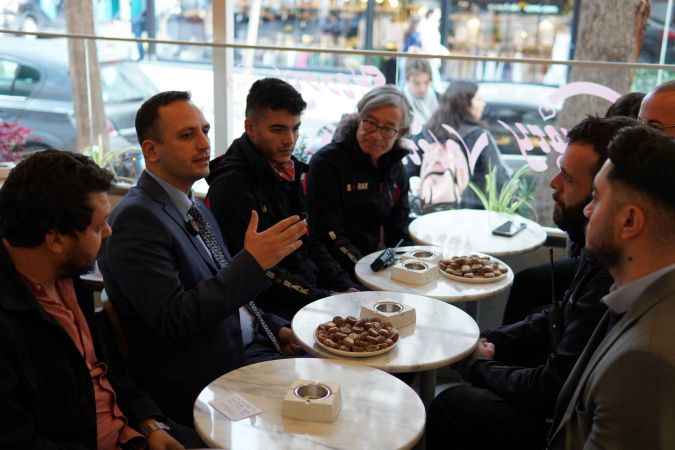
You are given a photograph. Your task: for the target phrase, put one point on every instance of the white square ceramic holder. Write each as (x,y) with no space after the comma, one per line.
(422,254)
(400,315)
(413,271)
(312,401)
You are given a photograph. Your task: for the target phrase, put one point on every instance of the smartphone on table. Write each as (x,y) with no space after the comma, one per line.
(509,228)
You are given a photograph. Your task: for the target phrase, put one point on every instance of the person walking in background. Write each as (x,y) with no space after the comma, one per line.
(139,25)
(418,91)
(412,40)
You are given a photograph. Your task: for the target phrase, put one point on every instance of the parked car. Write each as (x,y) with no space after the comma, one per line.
(513,103)
(36,93)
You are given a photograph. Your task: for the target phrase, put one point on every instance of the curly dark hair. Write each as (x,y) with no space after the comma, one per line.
(49,191)
(274,94)
(598,132)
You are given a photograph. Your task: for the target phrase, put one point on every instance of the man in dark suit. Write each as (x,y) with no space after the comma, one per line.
(61,385)
(185,304)
(621,392)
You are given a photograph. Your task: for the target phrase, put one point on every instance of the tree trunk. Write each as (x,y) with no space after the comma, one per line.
(609,30)
(85,77)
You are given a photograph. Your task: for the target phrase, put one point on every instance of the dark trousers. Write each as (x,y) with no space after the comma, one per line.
(464,417)
(531,290)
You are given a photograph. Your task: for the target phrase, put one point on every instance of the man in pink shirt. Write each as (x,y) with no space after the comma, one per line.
(59,387)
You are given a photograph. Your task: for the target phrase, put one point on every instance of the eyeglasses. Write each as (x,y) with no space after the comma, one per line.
(657,125)
(370,126)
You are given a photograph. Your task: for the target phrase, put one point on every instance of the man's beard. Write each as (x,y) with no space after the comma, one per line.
(606,252)
(571,219)
(73,268)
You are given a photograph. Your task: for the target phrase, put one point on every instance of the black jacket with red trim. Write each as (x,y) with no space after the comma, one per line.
(353,204)
(242,180)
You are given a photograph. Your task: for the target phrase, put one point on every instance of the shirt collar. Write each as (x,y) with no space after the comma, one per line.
(620,300)
(182,201)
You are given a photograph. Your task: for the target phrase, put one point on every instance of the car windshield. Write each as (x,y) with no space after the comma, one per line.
(124,82)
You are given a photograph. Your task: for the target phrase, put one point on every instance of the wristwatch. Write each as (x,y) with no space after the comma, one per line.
(151,426)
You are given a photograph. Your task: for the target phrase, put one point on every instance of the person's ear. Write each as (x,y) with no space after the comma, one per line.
(632,222)
(249,127)
(150,151)
(57,243)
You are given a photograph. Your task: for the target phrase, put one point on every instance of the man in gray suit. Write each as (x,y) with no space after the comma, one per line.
(185,304)
(621,393)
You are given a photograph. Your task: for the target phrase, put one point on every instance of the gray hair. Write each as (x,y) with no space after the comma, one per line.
(387,95)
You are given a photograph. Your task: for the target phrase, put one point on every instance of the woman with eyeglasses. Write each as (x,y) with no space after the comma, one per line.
(357,188)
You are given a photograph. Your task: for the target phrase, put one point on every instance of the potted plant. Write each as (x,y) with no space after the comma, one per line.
(515,197)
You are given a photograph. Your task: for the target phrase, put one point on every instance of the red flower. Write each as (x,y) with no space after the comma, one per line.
(12,135)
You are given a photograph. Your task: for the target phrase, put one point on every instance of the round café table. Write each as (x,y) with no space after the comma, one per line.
(440,287)
(463,231)
(379,411)
(442,335)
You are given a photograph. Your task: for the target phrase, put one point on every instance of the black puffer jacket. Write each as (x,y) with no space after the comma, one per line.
(352,203)
(242,180)
(530,365)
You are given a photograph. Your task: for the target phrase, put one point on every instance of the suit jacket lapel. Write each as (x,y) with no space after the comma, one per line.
(570,390)
(581,372)
(157,193)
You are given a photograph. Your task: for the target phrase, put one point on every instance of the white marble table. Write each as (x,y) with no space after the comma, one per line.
(378,410)
(463,231)
(440,287)
(443,334)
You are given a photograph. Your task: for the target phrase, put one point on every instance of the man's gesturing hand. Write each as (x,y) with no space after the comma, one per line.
(275,243)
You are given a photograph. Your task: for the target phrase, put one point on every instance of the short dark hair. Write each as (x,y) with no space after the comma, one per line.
(598,132)
(148,113)
(643,159)
(49,191)
(415,66)
(627,105)
(274,94)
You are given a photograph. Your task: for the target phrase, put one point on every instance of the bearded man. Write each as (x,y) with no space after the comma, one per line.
(511,382)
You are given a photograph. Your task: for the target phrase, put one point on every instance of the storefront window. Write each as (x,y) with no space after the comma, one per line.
(526,110)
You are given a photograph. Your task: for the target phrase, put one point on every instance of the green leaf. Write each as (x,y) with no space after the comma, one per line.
(481,196)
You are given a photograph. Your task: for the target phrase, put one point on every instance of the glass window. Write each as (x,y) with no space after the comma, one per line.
(7,76)
(26,79)
(124,82)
